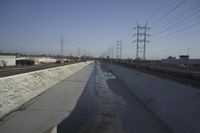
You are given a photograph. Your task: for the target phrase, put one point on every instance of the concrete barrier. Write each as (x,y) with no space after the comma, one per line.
(18,89)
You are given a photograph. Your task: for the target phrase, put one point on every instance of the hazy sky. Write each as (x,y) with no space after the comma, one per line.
(36,26)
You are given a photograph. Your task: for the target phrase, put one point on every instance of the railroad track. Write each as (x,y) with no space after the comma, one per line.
(185,77)
(23,69)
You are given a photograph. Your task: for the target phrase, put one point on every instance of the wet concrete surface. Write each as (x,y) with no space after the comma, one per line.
(42,113)
(173,103)
(84,111)
(107,106)
(135,116)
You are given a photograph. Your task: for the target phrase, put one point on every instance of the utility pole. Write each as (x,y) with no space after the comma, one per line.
(61,47)
(119,50)
(141,31)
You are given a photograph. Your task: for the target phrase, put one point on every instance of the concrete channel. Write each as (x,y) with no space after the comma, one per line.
(49,108)
(107,98)
(106,106)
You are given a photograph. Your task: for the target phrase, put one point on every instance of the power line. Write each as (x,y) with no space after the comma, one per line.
(171,11)
(183,35)
(179,16)
(157,11)
(189,20)
(191,33)
(183,29)
(182,21)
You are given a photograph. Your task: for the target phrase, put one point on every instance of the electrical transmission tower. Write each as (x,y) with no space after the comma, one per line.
(78,52)
(141,40)
(61,47)
(112,52)
(119,50)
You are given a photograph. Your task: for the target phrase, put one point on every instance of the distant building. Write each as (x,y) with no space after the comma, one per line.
(24,62)
(41,60)
(169,61)
(7,60)
(184,57)
(34,60)
(183,61)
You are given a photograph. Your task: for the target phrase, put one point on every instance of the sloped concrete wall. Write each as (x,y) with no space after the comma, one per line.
(175,104)
(18,89)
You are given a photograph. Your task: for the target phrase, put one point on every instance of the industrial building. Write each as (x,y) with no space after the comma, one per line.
(34,60)
(7,60)
(41,60)
(183,61)
(11,60)
(23,62)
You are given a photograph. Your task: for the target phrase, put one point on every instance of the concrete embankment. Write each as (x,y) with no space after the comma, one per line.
(18,89)
(176,105)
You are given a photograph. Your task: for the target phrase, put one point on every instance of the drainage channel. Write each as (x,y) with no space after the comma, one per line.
(106,106)
(83,112)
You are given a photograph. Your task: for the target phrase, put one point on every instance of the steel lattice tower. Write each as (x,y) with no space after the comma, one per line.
(62,47)
(119,50)
(141,40)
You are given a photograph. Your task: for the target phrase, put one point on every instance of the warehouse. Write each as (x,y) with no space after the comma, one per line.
(183,61)
(7,60)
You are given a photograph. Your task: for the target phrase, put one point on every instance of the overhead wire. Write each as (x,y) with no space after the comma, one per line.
(183,29)
(170,11)
(158,9)
(182,35)
(173,9)
(180,16)
(182,20)
(178,23)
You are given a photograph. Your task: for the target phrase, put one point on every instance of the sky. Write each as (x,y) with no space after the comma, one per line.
(93,26)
